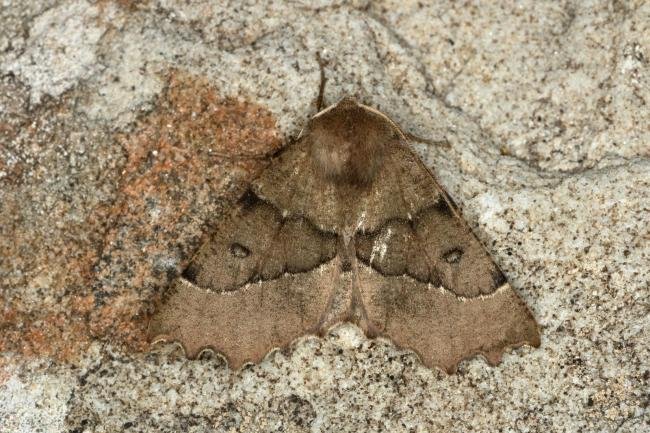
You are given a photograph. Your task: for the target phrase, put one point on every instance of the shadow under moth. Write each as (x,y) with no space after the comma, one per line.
(345,224)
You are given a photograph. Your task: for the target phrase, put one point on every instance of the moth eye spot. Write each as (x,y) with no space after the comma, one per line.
(239,251)
(453,256)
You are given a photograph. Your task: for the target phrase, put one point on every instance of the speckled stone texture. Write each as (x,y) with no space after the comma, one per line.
(126,129)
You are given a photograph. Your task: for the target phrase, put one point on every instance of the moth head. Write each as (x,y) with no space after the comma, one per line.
(348,142)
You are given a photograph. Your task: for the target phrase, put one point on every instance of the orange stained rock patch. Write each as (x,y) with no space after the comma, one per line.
(59,335)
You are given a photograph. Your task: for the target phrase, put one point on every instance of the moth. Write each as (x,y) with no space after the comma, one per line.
(345,225)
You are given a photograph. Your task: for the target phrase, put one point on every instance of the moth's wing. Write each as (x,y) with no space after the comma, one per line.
(428,283)
(245,324)
(261,281)
(442,328)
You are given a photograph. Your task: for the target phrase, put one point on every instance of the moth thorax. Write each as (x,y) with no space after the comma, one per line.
(345,158)
(344,162)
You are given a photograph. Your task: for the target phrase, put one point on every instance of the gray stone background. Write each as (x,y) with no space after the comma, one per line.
(115,117)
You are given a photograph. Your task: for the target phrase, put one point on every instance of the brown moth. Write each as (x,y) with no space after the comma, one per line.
(346,224)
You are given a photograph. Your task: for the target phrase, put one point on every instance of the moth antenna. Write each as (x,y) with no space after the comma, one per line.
(321,91)
(244,156)
(444,143)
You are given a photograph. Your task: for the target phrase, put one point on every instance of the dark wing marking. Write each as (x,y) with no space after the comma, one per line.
(434,247)
(258,244)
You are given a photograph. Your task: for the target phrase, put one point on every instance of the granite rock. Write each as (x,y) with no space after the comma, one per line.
(127,128)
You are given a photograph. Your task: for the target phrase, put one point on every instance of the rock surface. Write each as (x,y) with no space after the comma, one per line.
(127,127)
